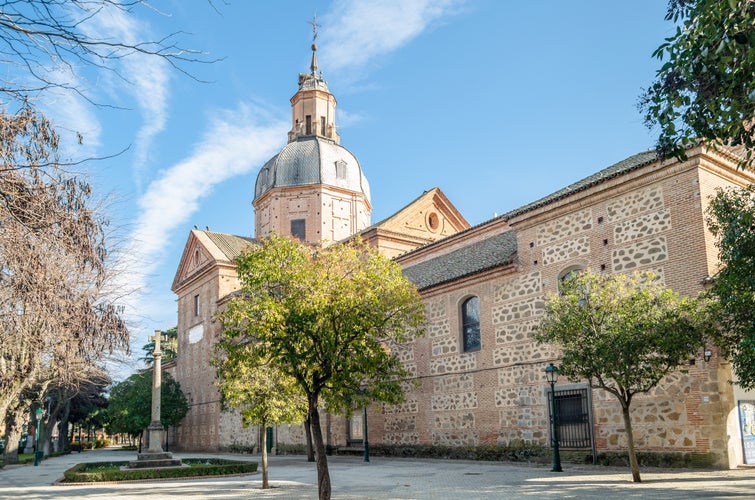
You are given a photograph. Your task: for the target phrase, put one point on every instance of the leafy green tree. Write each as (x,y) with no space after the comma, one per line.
(168,347)
(130,404)
(731,218)
(327,317)
(705,90)
(623,334)
(261,392)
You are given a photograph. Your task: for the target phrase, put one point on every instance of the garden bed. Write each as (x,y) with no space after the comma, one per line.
(93,472)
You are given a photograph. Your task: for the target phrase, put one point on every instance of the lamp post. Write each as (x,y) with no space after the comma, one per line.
(366,440)
(38,453)
(551,374)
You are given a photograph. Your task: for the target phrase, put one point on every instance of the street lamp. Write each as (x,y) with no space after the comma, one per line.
(366,440)
(38,454)
(551,374)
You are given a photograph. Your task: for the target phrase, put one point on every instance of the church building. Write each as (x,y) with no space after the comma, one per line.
(479,371)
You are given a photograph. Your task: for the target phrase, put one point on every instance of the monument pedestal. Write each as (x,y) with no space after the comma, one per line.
(153,460)
(154,456)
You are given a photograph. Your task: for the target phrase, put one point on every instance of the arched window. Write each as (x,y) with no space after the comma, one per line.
(567,274)
(470,324)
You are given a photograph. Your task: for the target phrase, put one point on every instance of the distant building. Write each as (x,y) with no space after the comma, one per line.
(480,372)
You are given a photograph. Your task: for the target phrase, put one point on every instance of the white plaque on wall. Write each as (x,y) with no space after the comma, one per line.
(195,333)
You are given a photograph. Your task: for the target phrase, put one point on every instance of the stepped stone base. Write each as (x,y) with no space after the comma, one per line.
(154,460)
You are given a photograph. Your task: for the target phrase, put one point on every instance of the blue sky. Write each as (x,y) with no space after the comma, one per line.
(496,102)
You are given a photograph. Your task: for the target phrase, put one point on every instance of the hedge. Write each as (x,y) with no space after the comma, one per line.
(110,471)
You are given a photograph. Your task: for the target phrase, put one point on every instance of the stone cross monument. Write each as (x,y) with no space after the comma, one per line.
(155,431)
(155,456)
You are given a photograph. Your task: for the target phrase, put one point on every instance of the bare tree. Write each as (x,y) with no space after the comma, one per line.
(41,41)
(56,323)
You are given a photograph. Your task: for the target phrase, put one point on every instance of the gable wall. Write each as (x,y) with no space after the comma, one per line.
(196,336)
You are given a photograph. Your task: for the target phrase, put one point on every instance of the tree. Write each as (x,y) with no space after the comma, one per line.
(168,346)
(706,88)
(327,317)
(262,393)
(731,218)
(130,404)
(57,322)
(43,43)
(75,407)
(623,334)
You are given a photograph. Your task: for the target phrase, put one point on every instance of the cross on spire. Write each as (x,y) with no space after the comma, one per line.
(314,24)
(313,66)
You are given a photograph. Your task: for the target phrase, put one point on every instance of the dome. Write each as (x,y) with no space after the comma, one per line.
(312,160)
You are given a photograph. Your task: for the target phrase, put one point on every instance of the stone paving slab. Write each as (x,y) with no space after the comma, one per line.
(387,478)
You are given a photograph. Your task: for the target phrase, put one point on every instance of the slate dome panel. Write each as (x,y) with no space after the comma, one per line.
(312,160)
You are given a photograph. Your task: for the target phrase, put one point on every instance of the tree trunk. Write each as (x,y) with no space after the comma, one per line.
(310,448)
(46,441)
(630,443)
(323,476)
(13,436)
(265,483)
(64,444)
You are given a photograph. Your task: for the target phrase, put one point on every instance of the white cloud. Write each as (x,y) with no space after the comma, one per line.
(346,119)
(146,79)
(356,32)
(235,144)
(73,117)
(150,78)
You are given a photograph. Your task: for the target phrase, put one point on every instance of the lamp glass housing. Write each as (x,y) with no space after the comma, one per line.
(551,373)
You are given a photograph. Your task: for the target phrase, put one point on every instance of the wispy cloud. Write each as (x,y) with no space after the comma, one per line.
(346,118)
(236,142)
(356,32)
(144,77)
(74,118)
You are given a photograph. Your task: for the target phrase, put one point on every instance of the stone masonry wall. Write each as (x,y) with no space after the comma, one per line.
(656,226)
(498,394)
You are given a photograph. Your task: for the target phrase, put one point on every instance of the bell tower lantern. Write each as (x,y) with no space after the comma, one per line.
(314,189)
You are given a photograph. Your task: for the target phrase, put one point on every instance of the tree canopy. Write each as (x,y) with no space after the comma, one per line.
(731,218)
(130,403)
(705,89)
(328,318)
(168,347)
(56,320)
(261,392)
(623,334)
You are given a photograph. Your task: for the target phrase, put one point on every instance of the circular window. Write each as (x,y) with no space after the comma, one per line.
(432,221)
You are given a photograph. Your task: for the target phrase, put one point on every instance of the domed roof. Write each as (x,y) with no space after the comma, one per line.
(312,160)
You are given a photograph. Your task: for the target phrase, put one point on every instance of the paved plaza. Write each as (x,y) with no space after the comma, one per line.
(386,478)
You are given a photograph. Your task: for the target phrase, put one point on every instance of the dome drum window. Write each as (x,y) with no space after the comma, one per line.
(340,169)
